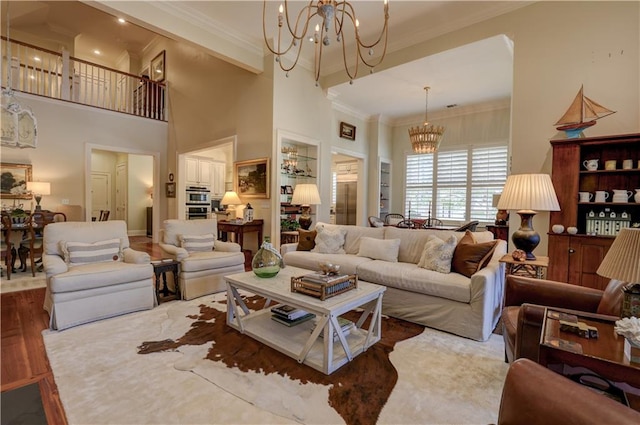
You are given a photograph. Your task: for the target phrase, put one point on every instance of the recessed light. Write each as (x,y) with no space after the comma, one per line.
(121,20)
(37,59)
(97,52)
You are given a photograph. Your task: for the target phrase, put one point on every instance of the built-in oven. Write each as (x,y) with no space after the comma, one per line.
(198,212)
(198,195)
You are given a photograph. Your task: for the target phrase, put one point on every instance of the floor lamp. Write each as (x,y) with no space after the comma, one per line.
(528,193)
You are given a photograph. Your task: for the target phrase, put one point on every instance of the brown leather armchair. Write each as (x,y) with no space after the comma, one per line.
(535,395)
(526,299)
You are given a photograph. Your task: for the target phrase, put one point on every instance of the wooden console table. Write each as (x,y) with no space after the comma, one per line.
(239,229)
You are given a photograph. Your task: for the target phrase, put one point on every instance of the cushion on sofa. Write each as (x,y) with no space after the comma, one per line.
(437,254)
(469,256)
(310,260)
(197,243)
(329,240)
(82,253)
(385,249)
(306,240)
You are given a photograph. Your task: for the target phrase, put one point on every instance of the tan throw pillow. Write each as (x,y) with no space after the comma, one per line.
(469,257)
(437,254)
(467,238)
(306,240)
(379,249)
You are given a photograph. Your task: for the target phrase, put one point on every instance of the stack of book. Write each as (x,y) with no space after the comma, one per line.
(345,324)
(337,282)
(290,316)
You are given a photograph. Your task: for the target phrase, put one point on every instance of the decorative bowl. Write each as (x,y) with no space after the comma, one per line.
(328,268)
(557,228)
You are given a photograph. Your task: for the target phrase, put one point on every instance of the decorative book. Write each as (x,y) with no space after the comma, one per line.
(293,322)
(324,290)
(288,312)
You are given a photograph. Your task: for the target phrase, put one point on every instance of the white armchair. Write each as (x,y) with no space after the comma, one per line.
(92,273)
(204,260)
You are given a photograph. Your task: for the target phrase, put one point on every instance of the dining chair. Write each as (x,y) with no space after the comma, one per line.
(408,224)
(7,255)
(104,215)
(393,219)
(375,221)
(432,222)
(33,244)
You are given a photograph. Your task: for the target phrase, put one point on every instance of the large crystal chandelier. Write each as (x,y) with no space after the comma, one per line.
(334,14)
(426,139)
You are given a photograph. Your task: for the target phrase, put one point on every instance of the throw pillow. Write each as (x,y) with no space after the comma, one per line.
(306,240)
(81,252)
(329,241)
(379,249)
(468,257)
(467,238)
(197,243)
(437,254)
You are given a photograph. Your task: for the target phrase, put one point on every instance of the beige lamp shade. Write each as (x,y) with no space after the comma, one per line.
(622,261)
(533,192)
(39,188)
(230,198)
(306,194)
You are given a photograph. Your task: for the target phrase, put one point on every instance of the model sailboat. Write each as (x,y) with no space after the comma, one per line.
(582,114)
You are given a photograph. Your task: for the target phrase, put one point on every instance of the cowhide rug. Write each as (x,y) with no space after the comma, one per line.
(181,363)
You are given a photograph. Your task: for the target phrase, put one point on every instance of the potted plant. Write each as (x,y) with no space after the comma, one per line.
(18,215)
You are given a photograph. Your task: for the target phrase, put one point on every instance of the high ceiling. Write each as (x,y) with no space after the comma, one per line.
(469,75)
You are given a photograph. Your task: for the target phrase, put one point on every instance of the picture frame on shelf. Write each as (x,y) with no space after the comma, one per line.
(170,190)
(347,131)
(157,67)
(283,190)
(14,180)
(288,190)
(252,178)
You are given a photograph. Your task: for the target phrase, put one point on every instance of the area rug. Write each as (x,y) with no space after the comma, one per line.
(179,363)
(22,281)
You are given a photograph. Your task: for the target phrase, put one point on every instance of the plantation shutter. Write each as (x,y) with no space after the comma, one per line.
(419,184)
(451,196)
(488,176)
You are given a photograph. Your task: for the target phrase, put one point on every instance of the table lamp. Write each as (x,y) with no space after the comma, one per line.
(39,189)
(305,195)
(622,262)
(230,198)
(528,193)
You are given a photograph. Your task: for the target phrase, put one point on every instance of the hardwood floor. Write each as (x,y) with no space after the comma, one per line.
(24,359)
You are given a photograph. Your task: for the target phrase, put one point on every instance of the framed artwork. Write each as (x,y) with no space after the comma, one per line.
(158,67)
(170,190)
(14,178)
(347,131)
(288,190)
(252,178)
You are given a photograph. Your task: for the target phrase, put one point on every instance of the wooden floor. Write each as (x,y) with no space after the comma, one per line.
(24,360)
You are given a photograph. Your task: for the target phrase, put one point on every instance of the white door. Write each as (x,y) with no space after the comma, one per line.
(121,192)
(100,193)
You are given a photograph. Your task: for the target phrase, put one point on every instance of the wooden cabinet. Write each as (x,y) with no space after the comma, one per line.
(198,171)
(499,231)
(218,175)
(575,258)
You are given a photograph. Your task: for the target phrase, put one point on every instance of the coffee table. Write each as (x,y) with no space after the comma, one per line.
(303,342)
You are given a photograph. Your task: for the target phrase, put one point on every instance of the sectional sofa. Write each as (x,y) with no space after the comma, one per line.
(469,306)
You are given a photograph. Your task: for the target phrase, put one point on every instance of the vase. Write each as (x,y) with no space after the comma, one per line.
(636,197)
(267,262)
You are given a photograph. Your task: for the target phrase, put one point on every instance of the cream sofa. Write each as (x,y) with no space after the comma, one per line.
(452,302)
(201,273)
(88,288)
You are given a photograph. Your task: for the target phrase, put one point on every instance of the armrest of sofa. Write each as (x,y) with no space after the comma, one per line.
(288,247)
(54,264)
(520,290)
(135,257)
(175,252)
(535,395)
(226,246)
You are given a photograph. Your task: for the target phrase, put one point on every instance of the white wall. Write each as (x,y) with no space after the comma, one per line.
(140,179)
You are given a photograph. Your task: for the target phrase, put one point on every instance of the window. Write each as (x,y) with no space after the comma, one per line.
(458,183)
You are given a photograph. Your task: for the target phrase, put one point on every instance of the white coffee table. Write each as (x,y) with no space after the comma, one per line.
(302,342)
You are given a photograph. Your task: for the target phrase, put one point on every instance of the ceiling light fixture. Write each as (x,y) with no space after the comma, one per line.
(426,139)
(336,13)
(121,20)
(97,52)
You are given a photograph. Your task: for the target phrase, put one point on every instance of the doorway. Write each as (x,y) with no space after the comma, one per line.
(347,174)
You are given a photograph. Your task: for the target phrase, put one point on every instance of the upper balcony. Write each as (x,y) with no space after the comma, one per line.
(30,69)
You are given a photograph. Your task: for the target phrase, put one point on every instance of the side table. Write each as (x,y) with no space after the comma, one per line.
(160,269)
(531,268)
(239,229)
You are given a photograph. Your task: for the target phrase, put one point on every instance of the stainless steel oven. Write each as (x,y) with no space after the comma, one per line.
(198,212)
(198,195)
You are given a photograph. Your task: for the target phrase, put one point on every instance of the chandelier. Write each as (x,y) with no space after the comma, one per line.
(426,139)
(336,15)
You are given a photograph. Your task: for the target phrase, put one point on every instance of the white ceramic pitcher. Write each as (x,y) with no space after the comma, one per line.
(636,197)
(622,193)
(602,195)
(590,164)
(585,196)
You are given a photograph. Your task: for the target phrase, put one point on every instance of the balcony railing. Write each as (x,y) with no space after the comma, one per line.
(47,73)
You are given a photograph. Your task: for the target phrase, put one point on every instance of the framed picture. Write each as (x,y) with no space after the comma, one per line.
(157,67)
(14,180)
(282,190)
(252,178)
(171,190)
(288,190)
(347,131)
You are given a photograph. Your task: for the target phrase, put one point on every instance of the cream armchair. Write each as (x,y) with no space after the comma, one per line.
(92,273)
(204,260)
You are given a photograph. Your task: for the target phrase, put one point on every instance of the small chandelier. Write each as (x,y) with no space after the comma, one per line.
(426,139)
(338,13)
